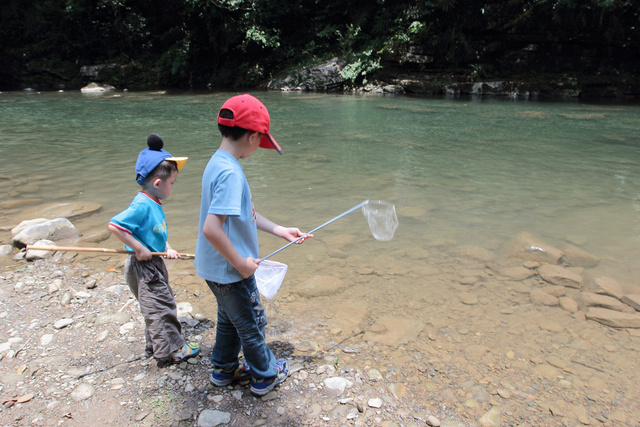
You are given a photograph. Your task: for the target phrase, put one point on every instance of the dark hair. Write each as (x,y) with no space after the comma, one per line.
(234,133)
(162,171)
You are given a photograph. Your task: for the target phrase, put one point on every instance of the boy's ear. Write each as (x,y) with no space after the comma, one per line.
(156,182)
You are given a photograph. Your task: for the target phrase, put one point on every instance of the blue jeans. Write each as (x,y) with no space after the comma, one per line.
(241,324)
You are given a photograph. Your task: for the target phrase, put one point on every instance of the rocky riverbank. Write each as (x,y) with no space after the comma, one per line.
(330,77)
(525,343)
(73,354)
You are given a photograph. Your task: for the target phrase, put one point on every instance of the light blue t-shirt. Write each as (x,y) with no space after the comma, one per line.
(144,219)
(225,191)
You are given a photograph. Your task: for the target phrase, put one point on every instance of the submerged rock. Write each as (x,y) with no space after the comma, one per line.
(560,276)
(527,248)
(632,300)
(390,330)
(320,286)
(577,257)
(607,286)
(594,300)
(614,318)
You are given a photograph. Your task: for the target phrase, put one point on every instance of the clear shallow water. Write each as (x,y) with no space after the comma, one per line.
(472,172)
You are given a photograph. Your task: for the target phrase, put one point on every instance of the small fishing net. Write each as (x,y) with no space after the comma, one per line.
(382,219)
(269,277)
(383,223)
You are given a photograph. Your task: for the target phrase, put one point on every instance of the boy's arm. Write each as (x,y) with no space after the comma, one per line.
(290,234)
(213,231)
(142,253)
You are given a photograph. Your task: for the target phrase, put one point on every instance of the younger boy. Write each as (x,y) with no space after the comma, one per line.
(142,227)
(227,249)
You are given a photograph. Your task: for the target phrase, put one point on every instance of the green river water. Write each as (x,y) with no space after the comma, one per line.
(460,172)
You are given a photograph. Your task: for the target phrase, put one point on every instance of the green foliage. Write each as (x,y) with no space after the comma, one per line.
(363,65)
(231,43)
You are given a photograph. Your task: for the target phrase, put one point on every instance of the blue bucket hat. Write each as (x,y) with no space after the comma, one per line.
(151,157)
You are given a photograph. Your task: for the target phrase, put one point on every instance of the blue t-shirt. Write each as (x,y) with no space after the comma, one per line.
(144,219)
(225,191)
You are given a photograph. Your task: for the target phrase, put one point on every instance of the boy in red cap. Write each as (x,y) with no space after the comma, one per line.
(227,249)
(142,227)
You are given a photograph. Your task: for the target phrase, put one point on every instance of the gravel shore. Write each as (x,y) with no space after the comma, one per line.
(72,353)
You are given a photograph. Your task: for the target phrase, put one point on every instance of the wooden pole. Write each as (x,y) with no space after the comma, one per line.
(103,250)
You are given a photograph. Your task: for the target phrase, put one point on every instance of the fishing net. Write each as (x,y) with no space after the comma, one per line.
(269,277)
(383,223)
(382,219)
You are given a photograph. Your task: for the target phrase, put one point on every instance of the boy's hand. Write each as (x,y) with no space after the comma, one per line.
(248,268)
(172,254)
(293,233)
(143,254)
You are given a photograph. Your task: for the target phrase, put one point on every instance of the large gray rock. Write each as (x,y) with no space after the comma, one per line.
(26,224)
(560,276)
(527,248)
(54,230)
(324,77)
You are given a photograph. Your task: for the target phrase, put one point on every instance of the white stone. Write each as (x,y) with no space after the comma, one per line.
(83,392)
(62,323)
(46,339)
(375,402)
(336,384)
(54,286)
(124,329)
(82,294)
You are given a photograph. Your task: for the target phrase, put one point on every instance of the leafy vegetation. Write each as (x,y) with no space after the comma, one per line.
(239,43)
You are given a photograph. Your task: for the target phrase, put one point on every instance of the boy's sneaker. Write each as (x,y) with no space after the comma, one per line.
(148,350)
(222,378)
(190,349)
(260,387)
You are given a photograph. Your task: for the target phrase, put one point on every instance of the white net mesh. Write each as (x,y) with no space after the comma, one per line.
(269,277)
(382,219)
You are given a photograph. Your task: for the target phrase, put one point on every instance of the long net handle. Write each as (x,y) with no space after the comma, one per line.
(315,229)
(103,250)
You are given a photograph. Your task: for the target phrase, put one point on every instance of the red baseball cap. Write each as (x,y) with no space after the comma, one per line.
(249,113)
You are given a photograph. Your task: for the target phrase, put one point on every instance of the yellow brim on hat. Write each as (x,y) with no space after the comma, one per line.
(179,161)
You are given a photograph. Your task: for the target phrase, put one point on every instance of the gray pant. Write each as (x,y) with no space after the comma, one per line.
(149,282)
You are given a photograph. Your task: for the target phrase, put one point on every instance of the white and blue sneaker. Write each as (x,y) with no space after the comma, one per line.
(222,378)
(262,386)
